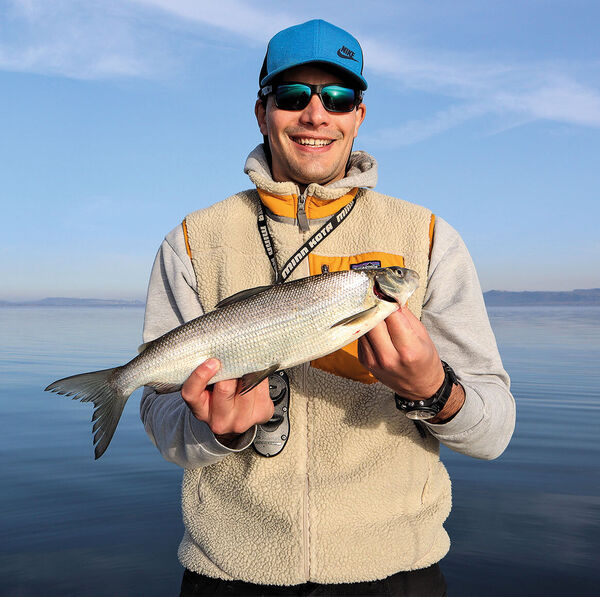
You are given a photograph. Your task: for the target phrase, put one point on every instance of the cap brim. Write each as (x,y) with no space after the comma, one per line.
(359,81)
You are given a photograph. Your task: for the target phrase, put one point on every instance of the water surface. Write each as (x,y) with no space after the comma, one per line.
(524,524)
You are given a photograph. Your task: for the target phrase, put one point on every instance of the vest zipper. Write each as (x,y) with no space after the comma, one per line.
(306,523)
(302,219)
(306,478)
(306,538)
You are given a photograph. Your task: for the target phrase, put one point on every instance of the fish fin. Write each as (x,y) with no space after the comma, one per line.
(356,318)
(251,380)
(240,296)
(100,388)
(164,388)
(143,347)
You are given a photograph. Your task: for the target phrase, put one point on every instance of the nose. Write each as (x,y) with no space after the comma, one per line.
(315,114)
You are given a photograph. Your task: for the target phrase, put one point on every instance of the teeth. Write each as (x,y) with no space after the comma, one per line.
(315,142)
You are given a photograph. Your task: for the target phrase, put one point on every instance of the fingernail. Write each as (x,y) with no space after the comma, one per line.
(213,364)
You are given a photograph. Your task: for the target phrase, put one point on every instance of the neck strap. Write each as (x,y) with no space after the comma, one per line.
(306,248)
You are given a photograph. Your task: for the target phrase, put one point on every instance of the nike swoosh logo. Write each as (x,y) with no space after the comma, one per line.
(346,57)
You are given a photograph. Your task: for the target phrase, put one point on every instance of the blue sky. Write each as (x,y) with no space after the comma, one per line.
(120,117)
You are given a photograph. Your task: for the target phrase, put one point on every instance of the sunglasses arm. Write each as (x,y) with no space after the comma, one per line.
(265,91)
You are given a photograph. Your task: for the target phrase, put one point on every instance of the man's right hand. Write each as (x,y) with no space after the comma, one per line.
(224,410)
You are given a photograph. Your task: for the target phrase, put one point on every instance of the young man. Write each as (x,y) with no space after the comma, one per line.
(353,499)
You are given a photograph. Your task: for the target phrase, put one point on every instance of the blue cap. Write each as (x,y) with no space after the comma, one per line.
(314,41)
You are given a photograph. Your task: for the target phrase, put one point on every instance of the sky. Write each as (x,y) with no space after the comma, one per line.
(119,117)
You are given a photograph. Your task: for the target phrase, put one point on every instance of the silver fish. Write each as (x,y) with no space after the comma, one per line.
(253,334)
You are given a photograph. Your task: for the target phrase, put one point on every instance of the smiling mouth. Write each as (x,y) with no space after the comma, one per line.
(312,142)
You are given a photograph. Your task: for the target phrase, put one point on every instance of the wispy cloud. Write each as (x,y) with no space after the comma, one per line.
(519,92)
(90,40)
(100,39)
(241,18)
(417,130)
(557,97)
(136,38)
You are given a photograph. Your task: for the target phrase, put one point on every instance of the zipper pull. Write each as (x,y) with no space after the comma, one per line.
(302,219)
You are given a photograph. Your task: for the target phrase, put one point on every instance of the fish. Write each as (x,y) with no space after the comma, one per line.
(252,333)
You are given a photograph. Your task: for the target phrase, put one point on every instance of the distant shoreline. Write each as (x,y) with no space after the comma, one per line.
(542,298)
(493,298)
(74,302)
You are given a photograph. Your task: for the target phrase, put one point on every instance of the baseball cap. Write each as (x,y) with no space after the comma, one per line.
(313,41)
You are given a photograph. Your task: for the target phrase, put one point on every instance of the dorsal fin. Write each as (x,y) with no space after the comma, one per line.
(143,347)
(240,296)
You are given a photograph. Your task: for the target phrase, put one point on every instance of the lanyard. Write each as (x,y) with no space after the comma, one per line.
(306,248)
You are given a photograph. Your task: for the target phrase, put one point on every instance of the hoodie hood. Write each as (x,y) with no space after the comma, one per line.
(361,173)
(284,199)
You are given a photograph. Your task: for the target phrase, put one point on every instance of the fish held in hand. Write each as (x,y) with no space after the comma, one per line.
(253,334)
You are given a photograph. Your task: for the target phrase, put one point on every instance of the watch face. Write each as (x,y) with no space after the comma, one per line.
(420,415)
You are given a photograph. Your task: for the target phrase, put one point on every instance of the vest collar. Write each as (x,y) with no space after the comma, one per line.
(285,200)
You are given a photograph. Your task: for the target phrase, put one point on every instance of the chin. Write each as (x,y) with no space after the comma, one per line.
(317,175)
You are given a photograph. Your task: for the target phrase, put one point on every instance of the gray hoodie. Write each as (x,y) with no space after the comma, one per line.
(453,313)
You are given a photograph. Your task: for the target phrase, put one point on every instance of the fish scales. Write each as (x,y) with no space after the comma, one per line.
(251,334)
(280,326)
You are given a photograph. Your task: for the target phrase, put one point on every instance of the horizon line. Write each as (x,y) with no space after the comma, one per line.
(143,300)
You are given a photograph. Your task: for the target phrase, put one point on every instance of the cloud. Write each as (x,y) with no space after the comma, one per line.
(557,98)
(417,130)
(519,93)
(237,17)
(100,39)
(142,38)
(88,40)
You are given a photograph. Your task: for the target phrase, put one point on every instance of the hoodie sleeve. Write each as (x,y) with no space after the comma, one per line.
(454,314)
(171,301)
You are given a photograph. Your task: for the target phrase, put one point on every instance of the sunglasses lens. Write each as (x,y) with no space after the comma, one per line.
(292,97)
(295,96)
(338,99)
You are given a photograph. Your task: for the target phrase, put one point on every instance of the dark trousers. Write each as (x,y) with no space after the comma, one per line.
(428,582)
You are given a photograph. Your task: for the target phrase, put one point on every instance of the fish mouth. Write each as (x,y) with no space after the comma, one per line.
(380,294)
(395,284)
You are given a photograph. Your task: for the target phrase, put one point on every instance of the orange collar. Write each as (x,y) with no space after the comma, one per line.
(316,207)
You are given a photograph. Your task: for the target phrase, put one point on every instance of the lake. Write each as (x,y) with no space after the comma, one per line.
(527,523)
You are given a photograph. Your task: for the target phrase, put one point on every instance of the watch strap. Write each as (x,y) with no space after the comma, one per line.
(434,404)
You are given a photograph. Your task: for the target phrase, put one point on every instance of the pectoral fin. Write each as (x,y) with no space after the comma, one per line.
(251,380)
(356,318)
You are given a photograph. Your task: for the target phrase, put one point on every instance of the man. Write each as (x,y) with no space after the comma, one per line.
(354,500)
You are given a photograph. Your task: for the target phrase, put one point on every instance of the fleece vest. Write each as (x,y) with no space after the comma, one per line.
(357,494)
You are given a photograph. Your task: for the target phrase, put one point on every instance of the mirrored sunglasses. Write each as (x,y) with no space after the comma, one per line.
(296,96)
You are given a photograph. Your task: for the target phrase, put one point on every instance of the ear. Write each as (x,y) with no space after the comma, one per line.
(361,112)
(261,117)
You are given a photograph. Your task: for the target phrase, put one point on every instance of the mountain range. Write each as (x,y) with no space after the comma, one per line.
(73,302)
(498,298)
(493,298)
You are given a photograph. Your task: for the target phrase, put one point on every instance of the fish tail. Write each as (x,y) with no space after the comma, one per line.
(101,388)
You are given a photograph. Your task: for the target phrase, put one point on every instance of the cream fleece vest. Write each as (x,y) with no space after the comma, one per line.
(357,494)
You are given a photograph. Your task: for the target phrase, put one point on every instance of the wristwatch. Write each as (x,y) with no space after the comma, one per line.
(430,407)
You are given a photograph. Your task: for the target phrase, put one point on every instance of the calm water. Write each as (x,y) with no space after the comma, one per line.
(525,524)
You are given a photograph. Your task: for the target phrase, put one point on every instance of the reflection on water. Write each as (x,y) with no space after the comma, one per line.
(528,523)
(525,524)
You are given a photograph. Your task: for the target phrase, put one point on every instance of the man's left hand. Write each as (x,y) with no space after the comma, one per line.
(402,356)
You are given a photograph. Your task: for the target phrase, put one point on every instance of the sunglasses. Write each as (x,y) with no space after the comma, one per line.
(296,96)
